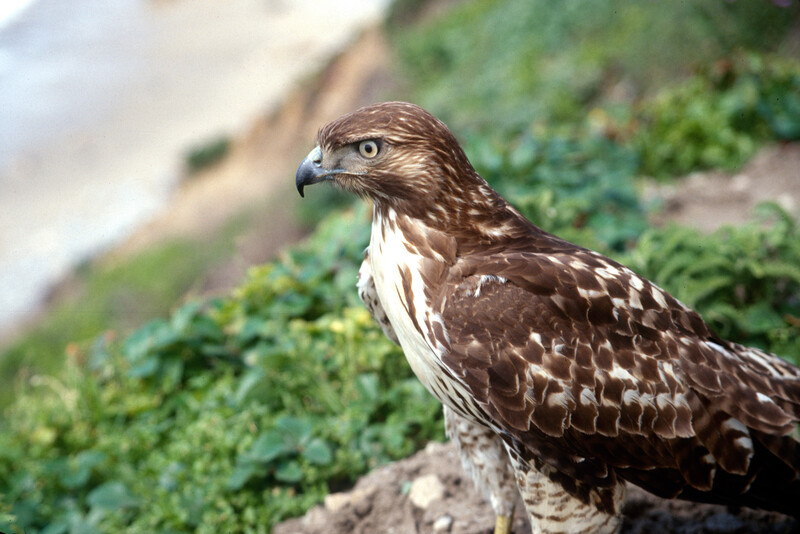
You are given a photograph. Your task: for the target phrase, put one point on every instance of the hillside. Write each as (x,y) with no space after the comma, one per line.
(260,392)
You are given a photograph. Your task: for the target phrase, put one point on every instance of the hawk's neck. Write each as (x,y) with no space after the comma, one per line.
(410,262)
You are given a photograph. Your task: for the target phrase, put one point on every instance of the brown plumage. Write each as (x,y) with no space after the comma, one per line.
(589,374)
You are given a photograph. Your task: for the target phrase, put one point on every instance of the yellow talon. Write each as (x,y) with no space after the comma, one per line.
(502,524)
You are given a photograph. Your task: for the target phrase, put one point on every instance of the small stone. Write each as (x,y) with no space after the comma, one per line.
(786,201)
(361,500)
(358,499)
(434,447)
(336,501)
(443,524)
(424,490)
(740,182)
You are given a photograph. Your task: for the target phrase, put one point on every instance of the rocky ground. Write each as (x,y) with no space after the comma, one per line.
(429,493)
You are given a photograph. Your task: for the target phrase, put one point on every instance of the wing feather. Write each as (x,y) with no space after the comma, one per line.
(572,349)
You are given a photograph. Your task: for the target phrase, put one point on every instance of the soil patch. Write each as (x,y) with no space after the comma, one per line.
(383,502)
(708,200)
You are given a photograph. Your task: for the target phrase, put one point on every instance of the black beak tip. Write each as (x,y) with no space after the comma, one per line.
(302,177)
(311,172)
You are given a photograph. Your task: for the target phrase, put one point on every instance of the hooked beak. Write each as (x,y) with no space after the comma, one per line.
(311,171)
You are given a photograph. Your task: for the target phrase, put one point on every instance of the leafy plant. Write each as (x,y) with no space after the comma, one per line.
(114,297)
(237,412)
(718,118)
(516,62)
(226,417)
(579,187)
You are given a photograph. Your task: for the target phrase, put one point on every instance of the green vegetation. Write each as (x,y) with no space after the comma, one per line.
(233,413)
(744,280)
(568,67)
(207,154)
(718,118)
(228,416)
(237,412)
(113,296)
(503,64)
(579,187)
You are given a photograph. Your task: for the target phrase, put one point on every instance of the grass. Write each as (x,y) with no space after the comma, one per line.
(207,154)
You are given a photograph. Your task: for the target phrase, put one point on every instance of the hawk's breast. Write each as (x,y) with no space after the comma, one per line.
(397,268)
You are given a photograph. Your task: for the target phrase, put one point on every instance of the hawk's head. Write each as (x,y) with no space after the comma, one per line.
(395,153)
(404,158)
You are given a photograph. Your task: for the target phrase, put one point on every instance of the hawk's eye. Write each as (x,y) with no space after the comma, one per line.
(369,149)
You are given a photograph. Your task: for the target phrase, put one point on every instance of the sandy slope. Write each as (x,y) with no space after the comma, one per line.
(100,100)
(258,172)
(263,161)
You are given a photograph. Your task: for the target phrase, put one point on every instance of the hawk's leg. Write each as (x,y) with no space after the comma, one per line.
(484,457)
(553,510)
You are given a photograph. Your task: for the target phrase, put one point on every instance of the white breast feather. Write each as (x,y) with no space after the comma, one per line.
(388,254)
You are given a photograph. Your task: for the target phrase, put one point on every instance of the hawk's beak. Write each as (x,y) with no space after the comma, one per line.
(311,171)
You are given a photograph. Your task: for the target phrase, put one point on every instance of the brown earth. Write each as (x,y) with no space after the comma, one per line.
(708,200)
(446,501)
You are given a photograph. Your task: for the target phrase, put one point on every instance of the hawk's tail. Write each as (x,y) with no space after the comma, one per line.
(749,426)
(774,474)
(771,483)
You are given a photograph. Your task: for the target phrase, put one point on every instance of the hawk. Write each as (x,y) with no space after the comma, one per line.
(558,368)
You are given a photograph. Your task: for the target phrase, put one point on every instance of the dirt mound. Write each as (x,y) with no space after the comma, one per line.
(382,501)
(708,200)
(429,493)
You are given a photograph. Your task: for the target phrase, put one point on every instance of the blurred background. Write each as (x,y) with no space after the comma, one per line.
(100,100)
(181,347)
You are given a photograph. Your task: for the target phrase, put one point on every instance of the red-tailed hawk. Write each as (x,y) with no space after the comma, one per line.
(585,374)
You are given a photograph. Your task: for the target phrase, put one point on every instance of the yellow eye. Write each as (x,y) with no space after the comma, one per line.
(369,149)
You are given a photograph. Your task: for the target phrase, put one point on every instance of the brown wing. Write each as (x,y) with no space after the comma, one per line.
(600,373)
